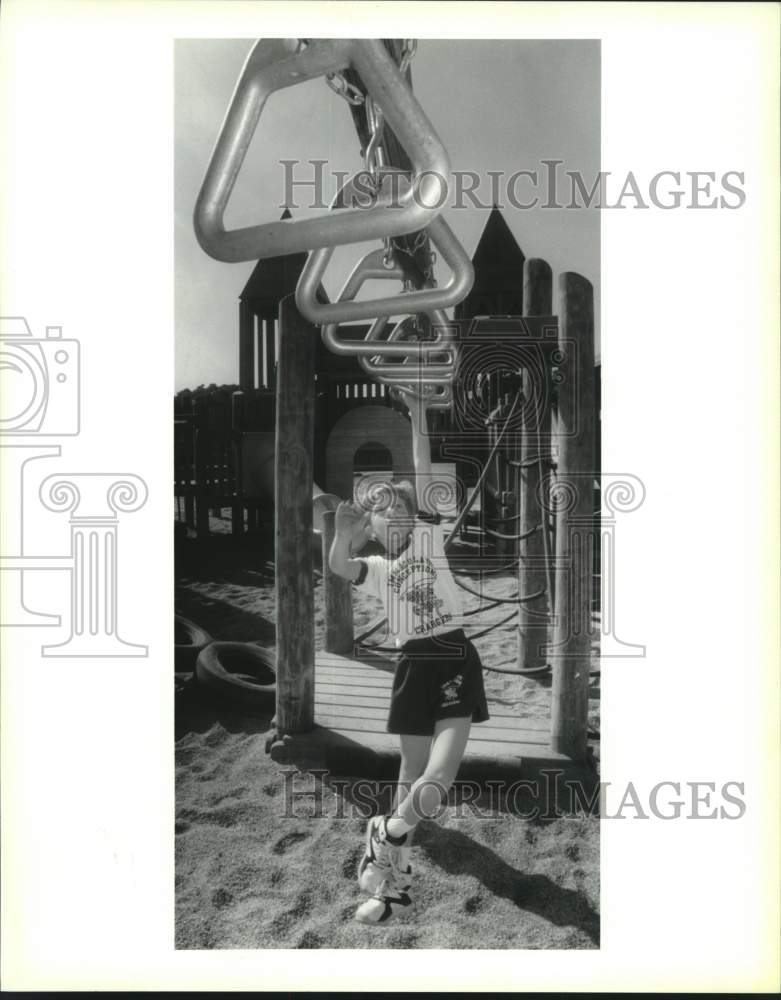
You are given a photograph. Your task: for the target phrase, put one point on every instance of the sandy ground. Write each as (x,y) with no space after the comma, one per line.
(260,866)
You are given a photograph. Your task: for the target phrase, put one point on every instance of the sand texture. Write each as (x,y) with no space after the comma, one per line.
(260,865)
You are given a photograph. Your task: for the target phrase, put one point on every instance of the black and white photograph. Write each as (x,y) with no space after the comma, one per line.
(387,567)
(457,664)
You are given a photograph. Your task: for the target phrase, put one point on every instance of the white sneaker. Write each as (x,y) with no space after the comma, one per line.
(391,897)
(381,858)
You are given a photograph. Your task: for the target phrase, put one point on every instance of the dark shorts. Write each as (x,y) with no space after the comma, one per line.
(436,678)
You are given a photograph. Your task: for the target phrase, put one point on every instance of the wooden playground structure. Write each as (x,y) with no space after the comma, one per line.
(520,428)
(340,692)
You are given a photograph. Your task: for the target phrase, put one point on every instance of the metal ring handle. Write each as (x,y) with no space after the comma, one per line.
(418,371)
(441,395)
(275,64)
(422,300)
(442,399)
(420,349)
(371,267)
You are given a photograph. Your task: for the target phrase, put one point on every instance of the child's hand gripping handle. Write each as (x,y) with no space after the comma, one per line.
(351,524)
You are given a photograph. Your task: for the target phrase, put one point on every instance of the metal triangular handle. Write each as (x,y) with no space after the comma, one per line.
(275,64)
(415,369)
(371,267)
(422,300)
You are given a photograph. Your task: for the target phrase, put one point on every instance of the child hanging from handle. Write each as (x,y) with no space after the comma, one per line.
(438,687)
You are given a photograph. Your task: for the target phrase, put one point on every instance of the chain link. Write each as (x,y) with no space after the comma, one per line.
(421,238)
(407,54)
(373,155)
(352,94)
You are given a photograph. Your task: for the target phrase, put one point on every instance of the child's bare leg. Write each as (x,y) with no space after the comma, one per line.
(425,796)
(415,751)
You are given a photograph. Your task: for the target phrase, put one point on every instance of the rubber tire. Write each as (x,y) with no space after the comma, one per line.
(241,673)
(189,640)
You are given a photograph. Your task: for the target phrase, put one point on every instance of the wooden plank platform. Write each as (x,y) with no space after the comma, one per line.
(352,698)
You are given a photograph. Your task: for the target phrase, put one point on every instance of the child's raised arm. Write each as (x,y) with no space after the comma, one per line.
(349,520)
(421,448)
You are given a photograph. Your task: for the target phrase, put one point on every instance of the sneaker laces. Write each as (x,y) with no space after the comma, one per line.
(388,854)
(395,881)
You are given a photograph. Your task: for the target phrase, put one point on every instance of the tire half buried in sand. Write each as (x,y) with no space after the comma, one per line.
(241,673)
(189,640)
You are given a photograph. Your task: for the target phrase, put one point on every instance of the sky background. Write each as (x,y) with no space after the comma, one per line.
(496,105)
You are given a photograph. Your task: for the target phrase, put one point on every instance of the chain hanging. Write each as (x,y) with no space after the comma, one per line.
(336,81)
(374,153)
(407,54)
(352,94)
(420,241)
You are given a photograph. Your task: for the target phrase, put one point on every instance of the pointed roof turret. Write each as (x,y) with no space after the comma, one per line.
(498,263)
(498,259)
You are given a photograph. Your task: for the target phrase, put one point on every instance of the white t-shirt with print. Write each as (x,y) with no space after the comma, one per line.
(416,588)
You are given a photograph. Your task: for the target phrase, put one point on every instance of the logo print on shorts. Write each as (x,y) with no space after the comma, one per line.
(450,690)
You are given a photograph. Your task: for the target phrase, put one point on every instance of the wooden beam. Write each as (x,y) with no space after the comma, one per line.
(533,617)
(201,448)
(246,346)
(293,517)
(339,631)
(237,424)
(574,518)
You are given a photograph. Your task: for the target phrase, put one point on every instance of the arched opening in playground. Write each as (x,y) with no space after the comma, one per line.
(372,457)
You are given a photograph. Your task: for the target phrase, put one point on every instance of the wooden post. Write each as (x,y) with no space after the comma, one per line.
(246,346)
(501,509)
(237,423)
(510,486)
(271,356)
(293,516)
(533,617)
(489,506)
(574,519)
(339,631)
(200,454)
(537,287)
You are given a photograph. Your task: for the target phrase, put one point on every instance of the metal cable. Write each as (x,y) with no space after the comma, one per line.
(518,464)
(492,627)
(493,570)
(545,538)
(519,672)
(512,538)
(468,505)
(517,599)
